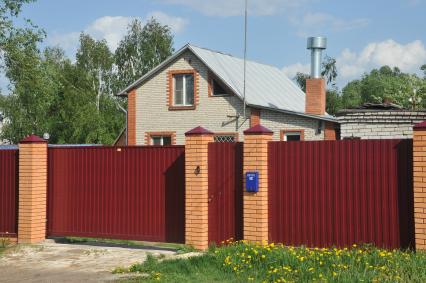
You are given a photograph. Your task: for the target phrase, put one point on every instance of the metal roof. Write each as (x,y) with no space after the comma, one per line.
(266,86)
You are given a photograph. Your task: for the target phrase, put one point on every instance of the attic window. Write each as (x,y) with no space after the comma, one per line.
(217,89)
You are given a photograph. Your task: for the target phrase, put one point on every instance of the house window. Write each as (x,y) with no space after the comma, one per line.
(292,135)
(161,140)
(225,138)
(217,89)
(183,90)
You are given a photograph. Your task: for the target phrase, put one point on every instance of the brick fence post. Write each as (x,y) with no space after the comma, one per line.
(419,172)
(196,187)
(256,204)
(32,189)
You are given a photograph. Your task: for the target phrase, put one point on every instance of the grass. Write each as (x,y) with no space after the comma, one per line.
(179,248)
(243,262)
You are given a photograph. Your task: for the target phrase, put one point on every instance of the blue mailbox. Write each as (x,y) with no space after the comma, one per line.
(252,182)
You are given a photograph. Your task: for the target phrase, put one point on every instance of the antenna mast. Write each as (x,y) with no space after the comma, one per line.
(245,60)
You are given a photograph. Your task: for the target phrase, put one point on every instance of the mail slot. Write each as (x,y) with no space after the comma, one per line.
(252,182)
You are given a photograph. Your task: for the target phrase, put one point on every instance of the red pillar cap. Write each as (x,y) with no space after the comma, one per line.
(419,126)
(198,131)
(33,139)
(258,130)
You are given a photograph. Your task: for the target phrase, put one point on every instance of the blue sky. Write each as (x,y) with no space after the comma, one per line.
(361,34)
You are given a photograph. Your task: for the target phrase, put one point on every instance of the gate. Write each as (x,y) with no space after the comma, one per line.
(337,193)
(225,210)
(8,192)
(134,193)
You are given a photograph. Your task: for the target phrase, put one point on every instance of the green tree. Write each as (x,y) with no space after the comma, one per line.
(143,48)
(385,83)
(96,59)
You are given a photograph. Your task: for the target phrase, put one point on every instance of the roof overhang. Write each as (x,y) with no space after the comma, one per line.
(311,116)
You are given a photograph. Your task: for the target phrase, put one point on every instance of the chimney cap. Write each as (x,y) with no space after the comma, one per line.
(317,42)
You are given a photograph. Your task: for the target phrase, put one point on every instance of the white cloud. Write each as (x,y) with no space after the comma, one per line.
(351,65)
(408,57)
(176,24)
(292,70)
(314,23)
(112,29)
(236,7)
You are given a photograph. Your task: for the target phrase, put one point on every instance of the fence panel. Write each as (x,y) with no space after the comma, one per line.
(225,191)
(9,192)
(134,193)
(337,193)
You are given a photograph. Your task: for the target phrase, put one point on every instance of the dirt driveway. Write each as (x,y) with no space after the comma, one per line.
(53,262)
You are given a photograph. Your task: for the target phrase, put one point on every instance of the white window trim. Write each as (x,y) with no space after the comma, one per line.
(162,139)
(292,134)
(183,89)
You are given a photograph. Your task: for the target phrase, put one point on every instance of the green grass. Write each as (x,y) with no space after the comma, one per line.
(241,262)
(179,248)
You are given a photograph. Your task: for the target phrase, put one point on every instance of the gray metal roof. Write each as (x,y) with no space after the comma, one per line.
(266,86)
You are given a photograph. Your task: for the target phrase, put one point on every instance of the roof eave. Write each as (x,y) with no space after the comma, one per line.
(318,117)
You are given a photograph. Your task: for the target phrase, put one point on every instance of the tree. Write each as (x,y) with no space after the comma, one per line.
(423,68)
(143,48)
(96,59)
(385,83)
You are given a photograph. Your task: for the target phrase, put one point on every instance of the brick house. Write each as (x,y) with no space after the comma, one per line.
(197,86)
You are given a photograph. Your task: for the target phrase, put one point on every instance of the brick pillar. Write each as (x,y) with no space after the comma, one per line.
(256,204)
(32,189)
(196,183)
(419,172)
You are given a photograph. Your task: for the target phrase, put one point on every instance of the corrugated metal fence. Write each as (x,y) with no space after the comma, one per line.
(125,193)
(8,192)
(337,193)
(225,191)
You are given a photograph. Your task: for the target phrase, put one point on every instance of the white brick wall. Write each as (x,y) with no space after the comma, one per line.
(152,114)
(380,124)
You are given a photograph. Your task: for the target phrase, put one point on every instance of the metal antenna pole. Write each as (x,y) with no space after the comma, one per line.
(245,61)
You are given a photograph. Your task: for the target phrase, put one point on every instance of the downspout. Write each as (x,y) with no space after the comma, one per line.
(125,112)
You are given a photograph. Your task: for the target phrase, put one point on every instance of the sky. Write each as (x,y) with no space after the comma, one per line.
(361,34)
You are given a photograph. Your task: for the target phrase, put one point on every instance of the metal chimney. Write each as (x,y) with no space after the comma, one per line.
(316,45)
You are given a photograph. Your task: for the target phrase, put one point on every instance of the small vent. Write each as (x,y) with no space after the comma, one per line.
(224,138)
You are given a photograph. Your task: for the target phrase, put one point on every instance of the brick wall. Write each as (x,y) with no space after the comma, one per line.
(276,121)
(419,169)
(379,124)
(131,118)
(32,190)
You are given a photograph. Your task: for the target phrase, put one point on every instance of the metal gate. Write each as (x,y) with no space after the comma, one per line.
(337,193)
(225,208)
(135,193)
(9,192)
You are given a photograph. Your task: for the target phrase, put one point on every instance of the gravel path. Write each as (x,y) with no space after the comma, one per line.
(52,262)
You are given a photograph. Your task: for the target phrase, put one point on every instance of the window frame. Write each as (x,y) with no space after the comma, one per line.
(211,79)
(283,133)
(171,89)
(150,135)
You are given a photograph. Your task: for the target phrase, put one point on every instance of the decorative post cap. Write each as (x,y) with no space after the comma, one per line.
(33,139)
(198,131)
(258,130)
(419,126)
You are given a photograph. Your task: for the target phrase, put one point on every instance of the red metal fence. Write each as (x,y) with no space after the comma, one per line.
(337,193)
(8,192)
(125,193)
(225,191)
